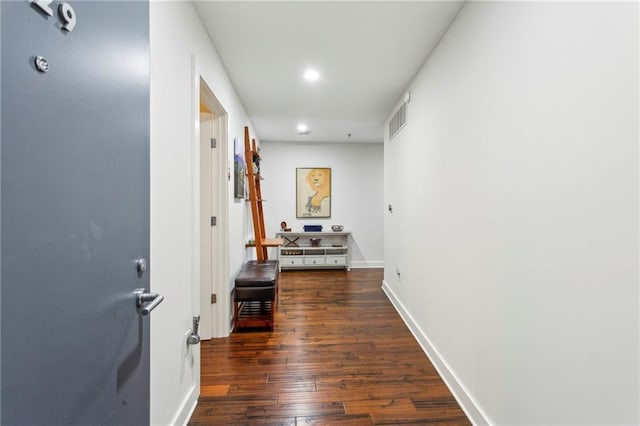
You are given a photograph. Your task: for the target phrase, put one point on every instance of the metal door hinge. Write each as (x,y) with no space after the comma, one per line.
(214,299)
(214,221)
(213,142)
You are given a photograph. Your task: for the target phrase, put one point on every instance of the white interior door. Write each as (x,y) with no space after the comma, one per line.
(207,225)
(213,204)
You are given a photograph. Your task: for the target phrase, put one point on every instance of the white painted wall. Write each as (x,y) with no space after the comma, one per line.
(356,192)
(515,229)
(176,37)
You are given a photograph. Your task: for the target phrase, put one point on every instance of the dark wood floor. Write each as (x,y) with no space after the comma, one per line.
(339,355)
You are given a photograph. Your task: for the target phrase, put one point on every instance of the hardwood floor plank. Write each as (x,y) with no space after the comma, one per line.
(234,378)
(333,420)
(244,400)
(336,395)
(296,409)
(214,390)
(296,386)
(272,421)
(380,406)
(339,355)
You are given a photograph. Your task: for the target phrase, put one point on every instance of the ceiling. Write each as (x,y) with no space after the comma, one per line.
(366,53)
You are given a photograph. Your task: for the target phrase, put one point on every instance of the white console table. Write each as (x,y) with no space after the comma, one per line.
(332,251)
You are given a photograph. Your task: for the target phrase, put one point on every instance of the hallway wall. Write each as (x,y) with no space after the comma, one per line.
(176,35)
(356,192)
(515,223)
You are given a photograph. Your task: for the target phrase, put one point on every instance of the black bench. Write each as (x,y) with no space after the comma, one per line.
(256,295)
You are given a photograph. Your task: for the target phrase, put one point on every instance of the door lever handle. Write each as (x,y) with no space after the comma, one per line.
(194,338)
(142,298)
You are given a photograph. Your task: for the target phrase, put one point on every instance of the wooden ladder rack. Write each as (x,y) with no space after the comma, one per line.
(252,158)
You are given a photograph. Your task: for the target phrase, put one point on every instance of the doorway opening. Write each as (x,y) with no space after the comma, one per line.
(214,312)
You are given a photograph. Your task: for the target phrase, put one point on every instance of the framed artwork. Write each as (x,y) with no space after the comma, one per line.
(313,192)
(239,169)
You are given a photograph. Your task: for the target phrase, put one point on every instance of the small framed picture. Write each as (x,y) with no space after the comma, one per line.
(239,169)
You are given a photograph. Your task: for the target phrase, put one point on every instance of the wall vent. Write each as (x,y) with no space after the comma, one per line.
(398,121)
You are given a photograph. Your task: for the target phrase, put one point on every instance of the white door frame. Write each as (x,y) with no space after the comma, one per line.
(214,318)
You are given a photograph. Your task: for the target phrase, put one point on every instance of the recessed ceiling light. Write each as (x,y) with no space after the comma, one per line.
(311,75)
(303,129)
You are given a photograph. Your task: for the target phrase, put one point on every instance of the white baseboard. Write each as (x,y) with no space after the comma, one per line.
(466,401)
(367,264)
(188,407)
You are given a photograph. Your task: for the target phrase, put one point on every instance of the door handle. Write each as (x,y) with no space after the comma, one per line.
(142,298)
(194,338)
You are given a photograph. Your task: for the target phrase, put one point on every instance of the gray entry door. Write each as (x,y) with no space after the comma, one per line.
(74,212)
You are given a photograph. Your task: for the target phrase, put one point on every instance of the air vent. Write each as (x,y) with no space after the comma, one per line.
(398,121)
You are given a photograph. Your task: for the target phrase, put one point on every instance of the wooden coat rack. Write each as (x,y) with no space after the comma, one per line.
(252,157)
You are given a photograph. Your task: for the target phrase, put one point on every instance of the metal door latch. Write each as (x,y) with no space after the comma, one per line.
(194,338)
